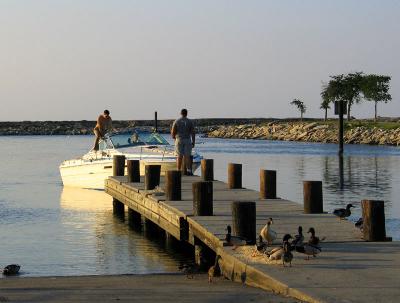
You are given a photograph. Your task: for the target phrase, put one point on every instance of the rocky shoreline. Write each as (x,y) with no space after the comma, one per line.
(32,128)
(267,129)
(309,132)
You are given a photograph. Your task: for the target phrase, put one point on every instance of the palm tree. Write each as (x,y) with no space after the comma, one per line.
(325,105)
(300,106)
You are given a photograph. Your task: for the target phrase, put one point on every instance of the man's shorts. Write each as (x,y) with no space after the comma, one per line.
(183,147)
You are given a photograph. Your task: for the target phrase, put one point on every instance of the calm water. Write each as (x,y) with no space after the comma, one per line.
(55,231)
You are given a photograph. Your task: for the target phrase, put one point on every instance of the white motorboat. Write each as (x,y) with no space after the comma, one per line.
(90,170)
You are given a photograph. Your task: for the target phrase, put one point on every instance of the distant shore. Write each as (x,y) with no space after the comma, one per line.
(84,127)
(356,132)
(384,132)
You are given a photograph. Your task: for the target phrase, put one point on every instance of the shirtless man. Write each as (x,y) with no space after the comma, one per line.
(104,124)
(184,135)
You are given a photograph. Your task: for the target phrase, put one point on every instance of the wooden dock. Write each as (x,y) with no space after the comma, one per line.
(348,269)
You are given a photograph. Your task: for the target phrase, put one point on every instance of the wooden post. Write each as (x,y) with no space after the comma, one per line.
(313,198)
(244,220)
(373,213)
(152,176)
(134,218)
(234,175)
(341,128)
(118,208)
(133,169)
(118,170)
(207,169)
(173,185)
(118,165)
(267,184)
(202,198)
(155,122)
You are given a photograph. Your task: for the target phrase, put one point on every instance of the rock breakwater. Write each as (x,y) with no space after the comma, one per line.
(309,132)
(84,127)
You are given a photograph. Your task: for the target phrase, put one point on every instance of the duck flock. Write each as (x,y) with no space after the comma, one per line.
(284,252)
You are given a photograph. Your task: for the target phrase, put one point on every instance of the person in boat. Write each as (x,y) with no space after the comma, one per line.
(184,135)
(103,125)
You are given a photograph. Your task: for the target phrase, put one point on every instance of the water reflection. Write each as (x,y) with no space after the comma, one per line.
(109,245)
(364,172)
(341,172)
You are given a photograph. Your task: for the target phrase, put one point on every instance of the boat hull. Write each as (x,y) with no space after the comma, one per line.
(92,175)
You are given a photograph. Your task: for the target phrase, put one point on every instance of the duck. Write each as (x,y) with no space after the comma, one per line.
(234,241)
(260,247)
(298,239)
(267,233)
(277,252)
(359,224)
(314,240)
(213,270)
(189,270)
(311,248)
(12,269)
(287,255)
(343,213)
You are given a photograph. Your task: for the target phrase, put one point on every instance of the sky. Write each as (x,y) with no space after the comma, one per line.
(70,60)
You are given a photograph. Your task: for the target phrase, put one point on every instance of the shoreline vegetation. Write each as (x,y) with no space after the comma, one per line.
(386,131)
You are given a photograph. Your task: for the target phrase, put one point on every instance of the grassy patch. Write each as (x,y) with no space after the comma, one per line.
(350,124)
(371,124)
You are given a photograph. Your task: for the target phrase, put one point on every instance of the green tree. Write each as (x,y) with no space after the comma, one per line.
(376,88)
(300,106)
(325,104)
(345,88)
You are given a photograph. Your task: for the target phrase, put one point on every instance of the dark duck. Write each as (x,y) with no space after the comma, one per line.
(287,255)
(359,224)
(189,270)
(298,239)
(343,213)
(12,269)
(260,247)
(314,240)
(278,252)
(311,248)
(234,241)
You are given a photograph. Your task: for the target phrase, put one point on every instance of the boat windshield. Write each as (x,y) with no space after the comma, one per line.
(136,138)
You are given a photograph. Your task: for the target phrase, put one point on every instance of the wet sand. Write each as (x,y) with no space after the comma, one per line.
(174,288)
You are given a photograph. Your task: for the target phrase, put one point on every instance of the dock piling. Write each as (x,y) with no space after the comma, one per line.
(134,218)
(234,175)
(313,198)
(202,198)
(118,170)
(207,169)
(152,176)
(373,212)
(133,170)
(267,184)
(173,185)
(244,220)
(118,165)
